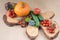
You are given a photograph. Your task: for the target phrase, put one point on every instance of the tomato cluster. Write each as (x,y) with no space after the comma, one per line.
(22,22)
(50,29)
(12,14)
(46,23)
(49,26)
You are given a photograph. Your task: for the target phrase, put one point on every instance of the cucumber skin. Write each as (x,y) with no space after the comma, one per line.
(35,19)
(40,17)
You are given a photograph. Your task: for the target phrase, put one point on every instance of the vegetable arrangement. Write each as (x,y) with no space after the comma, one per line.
(32,19)
(22,9)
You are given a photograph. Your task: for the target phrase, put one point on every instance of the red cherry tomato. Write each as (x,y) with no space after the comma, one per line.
(12,14)
(20,22)
(45,22)
(50,30)
(44,25)
(37,11)
(48,25)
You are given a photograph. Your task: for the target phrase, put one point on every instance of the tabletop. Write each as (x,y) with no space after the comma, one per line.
(18,33)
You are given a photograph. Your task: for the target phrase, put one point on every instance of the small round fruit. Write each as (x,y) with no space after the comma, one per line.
(37,11)
(11,14)
(46,23)
(9,5)
(23,23)
(20,22)
(32,23)
(22,9)
(27,19)
(50,30)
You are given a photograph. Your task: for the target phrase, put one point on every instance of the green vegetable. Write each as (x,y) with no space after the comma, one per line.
(37,23)
(27,19)
(52,26)
(40,17)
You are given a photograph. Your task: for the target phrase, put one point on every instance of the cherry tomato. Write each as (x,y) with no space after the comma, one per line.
(47,25)
(42,22)
(12,14)
(51,31)
(44,25)
(45,22)
(20,22)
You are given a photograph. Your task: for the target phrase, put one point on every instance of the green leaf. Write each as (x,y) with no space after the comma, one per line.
(52,26)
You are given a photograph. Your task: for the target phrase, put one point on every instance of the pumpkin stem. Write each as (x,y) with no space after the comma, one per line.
(22,5)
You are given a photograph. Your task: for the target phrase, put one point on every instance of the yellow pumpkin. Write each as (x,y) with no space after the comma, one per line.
(22,9)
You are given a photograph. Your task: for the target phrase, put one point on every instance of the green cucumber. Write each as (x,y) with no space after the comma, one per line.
(40,17)
(37,23)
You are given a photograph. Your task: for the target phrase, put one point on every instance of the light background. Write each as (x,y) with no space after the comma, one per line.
(18,33)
